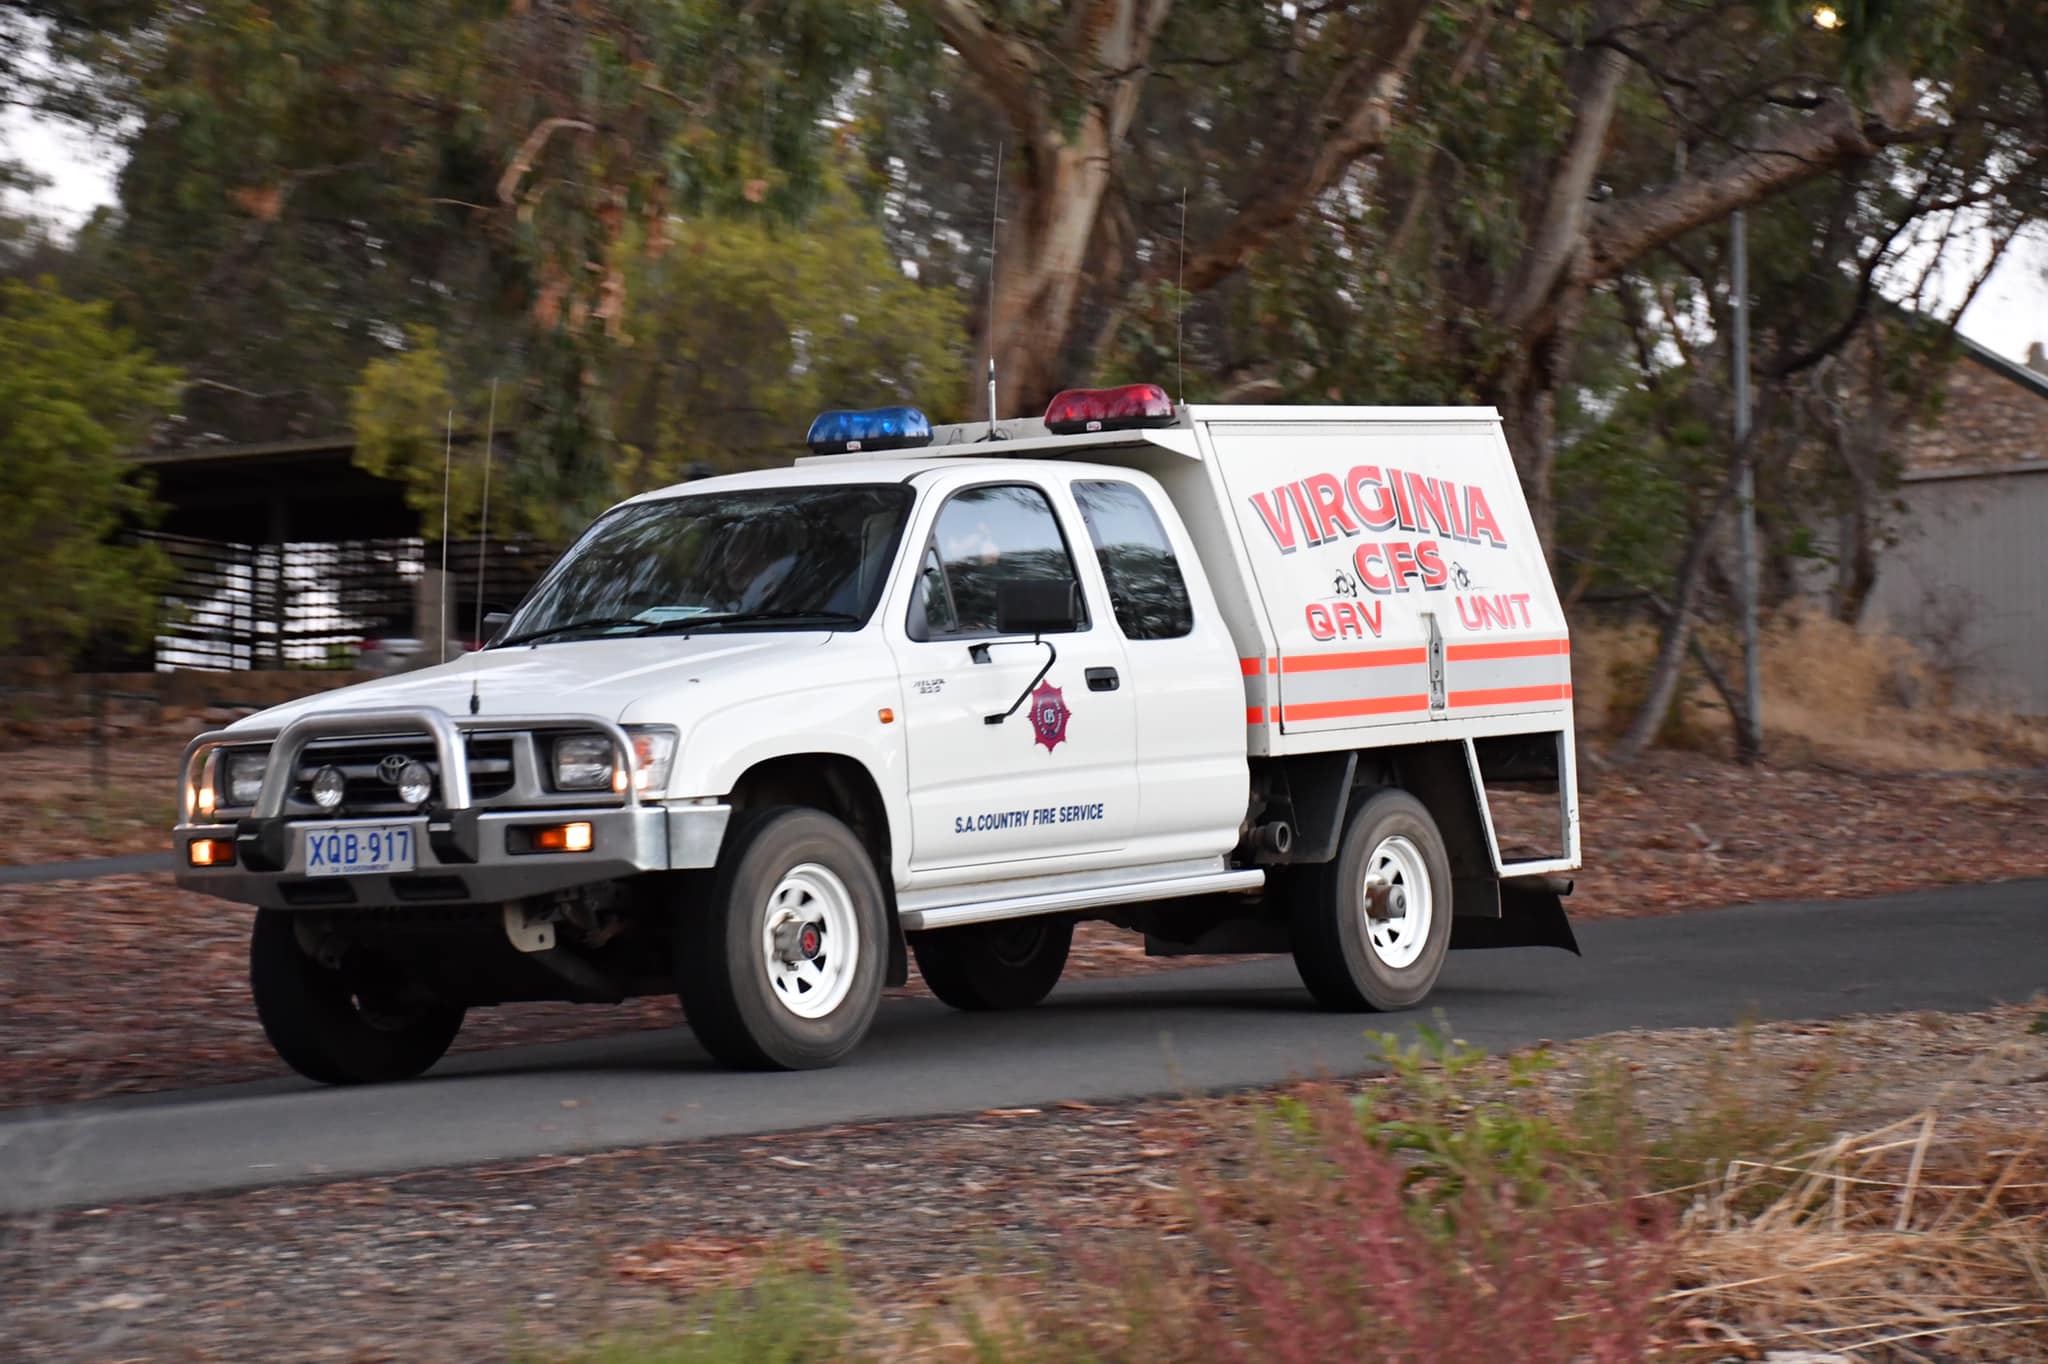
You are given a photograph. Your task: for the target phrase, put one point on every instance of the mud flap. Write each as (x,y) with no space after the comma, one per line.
(1531,915)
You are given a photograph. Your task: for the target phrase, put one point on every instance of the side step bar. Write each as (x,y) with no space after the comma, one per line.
(919,911)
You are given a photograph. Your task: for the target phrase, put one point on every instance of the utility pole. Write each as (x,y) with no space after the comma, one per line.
(1749,744)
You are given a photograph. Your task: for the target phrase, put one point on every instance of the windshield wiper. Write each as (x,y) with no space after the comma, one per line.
(687,624)
(570,628)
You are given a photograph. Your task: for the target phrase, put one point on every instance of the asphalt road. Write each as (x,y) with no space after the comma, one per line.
(1206,1028)
(91,869)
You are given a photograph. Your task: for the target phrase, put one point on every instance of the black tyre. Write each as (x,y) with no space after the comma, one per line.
(1353,959)
(353,1025)
(782,968)
(1009,965)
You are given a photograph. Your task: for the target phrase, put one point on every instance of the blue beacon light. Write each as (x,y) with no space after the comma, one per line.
(881,428)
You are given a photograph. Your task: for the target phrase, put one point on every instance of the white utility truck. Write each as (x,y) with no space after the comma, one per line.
(1240,679)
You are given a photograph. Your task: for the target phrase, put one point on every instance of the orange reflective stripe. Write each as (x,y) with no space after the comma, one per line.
(1507,648)
(1333,710)
(1362,658)
(1509,696)
(1255,715)
(1248,666)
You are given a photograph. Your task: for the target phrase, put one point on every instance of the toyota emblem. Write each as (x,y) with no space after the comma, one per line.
(391,767)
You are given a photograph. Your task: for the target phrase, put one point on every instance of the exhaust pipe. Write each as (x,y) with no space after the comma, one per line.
(1276,838)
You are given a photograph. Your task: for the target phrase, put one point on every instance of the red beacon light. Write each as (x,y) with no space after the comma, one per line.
(1108,409)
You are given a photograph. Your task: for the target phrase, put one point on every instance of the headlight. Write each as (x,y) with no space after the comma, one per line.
(245,776)
(583,762)
(586,762)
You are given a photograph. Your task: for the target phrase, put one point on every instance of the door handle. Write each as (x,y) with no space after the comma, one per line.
(1102,679)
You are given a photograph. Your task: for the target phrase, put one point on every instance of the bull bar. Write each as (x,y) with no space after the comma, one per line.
(463,852)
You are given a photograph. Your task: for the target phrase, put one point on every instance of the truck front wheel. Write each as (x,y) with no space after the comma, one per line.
(782,969)
(352,1023)
(1008,965)
(1371,928)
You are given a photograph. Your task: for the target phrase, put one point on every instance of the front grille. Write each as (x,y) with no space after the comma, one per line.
(366,792)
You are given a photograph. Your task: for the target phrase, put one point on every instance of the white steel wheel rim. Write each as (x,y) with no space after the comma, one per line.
(1398,863)
(810,941)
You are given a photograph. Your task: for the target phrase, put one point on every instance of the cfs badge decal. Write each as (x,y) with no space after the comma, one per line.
(1049,715)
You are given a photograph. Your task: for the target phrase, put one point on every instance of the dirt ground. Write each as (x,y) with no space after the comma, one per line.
(127,984)
(469,1264)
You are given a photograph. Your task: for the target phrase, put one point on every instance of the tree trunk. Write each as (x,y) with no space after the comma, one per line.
(1857,571)
(1041,260)
(1529,415)
(1049,223)
(1676,634)
(1053,219)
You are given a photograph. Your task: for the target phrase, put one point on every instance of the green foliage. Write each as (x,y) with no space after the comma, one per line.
(1451,1133)
(784,1317)
(1631,474)
(76,393)
(401,413)
(310,180)
(731,337)
(743,329)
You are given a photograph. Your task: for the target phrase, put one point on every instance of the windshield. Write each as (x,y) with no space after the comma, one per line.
(784,558)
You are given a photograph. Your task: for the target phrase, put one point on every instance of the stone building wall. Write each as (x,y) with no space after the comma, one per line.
(1991,418)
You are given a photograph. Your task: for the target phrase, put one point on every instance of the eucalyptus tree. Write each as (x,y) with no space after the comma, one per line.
(1468,177)
(308,180)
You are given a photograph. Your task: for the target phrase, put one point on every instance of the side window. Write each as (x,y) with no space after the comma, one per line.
(984,536)
(1146,590)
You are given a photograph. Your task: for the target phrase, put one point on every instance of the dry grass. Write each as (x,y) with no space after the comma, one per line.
(1905,1242)
(1869,699)
(1610,669)
(1833,694)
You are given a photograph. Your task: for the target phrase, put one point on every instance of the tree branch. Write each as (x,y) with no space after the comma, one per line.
(1009,72)
(522,162)
(1624,232)
(1358,113)
(1561,230)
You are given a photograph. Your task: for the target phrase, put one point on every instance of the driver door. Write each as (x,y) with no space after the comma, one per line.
(1055,778)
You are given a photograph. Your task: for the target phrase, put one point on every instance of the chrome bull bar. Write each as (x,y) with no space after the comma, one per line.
(288,744)
(451,746)
(460,836)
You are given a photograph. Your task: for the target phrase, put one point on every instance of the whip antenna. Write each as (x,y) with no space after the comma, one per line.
(1180,300)
(483,539)
(447,466)
(995,216)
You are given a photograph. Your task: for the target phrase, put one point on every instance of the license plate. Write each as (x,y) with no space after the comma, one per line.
(357,849)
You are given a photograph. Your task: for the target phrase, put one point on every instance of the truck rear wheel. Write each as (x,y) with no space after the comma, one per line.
(346,1025)
(1371,930)
(782,969)
(1009,965)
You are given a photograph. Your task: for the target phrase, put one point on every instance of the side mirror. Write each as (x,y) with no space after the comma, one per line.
(1033,606)
(494,625)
